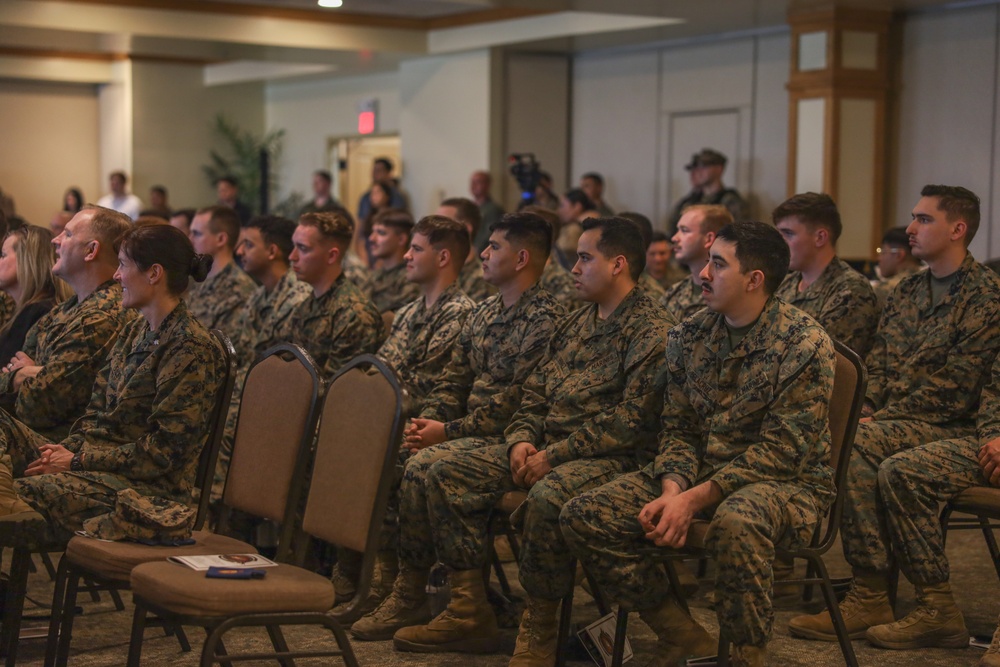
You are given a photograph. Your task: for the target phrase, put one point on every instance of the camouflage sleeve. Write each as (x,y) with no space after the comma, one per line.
(30,348)
(58,394)
(357,329)
(988,420)
(446,402)
(851,316)
(680,447)
(393,349)
(876,359)
(620,430)
(185,385)
(424,374)
(528,423)
(497,413)
(98,396)
(737,205)
(796,420)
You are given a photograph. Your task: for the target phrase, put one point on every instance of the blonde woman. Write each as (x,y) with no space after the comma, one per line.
(26,260)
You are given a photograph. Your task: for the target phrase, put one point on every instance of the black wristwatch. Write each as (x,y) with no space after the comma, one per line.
(76,464)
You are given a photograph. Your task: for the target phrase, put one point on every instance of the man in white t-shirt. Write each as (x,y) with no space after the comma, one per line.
(119,199)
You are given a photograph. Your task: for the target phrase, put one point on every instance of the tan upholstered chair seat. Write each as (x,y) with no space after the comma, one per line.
(184,591)
(978,500)
(115,560)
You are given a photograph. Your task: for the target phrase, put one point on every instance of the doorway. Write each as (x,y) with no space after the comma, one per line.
(351,161)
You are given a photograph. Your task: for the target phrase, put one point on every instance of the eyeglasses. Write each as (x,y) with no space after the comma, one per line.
(891,251)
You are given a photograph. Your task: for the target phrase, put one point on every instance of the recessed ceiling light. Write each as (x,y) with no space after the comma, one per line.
(330,3)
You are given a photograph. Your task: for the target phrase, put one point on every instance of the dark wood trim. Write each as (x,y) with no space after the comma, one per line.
(21,52)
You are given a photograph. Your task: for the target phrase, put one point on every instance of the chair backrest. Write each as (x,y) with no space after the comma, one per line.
(275,428)
(356,453)
(209,455)
(850,383)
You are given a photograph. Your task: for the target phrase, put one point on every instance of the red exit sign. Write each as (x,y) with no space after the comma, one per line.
(368,116)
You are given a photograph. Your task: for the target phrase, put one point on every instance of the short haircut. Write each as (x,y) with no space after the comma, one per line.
(958,204)
(159,189)
(897,237)
(528,231)
(714,217)
(620,236)
(594,176)
(643,223)
(813,209)
(119,174)
(223,219)
(276,230)
(466,212)
(658,237)
(548,215)
(335,226)
(446,234)
(759,247)
(108,226)
(385,162)
(188,214)
(227,178)
(578,196)
(324,174)
(395,218)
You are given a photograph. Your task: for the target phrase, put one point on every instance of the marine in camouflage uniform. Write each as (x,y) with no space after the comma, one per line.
(390,290)
(884,288)
(841,299)
(71,343)
(471,281)
(559,282)
(356,271)
(683,299)
(753,420)
(219,301)
(337,326)
(143,429)
(728,197)
(592,406)
(7,308)
(653,288)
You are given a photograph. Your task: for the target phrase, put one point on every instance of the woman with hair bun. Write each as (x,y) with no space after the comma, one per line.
(127,468)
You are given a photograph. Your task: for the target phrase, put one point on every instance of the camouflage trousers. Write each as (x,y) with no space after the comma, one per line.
(911,485)
(66,499)
(602,529)
(416,543)
(864,530)
(463,488)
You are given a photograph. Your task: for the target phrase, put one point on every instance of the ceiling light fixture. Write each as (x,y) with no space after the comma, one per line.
(333,4)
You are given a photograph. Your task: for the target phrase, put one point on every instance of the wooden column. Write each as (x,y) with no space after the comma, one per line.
(838,92)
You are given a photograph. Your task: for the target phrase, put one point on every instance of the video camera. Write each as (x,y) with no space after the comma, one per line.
(524,168)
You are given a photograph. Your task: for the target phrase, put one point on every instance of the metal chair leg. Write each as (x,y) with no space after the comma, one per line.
(14,604)
(562,637)
(621,627)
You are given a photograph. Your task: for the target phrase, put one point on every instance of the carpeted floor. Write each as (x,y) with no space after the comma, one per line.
(101,634)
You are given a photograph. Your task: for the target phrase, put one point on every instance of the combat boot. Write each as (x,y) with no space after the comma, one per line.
(866,604)
(537,636)
(405,606)
(383,575)
(748,656)
(467,624)
(679,636)
(10,502)
(992,656)
(345,574)
(935,623)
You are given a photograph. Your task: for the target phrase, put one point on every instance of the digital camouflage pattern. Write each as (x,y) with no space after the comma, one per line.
(592,406)
(144,428)
(754,420)
(841,299)
(926,373)
(218,302)
(674,275)
(267,316)
(337,326)
(356,272)
(472,282)
(390,290)
(559,282)
(496,352)
(728,197)
(884,288)
(653,288)
(71,343)
(683,300)
(7,308)
(421,341)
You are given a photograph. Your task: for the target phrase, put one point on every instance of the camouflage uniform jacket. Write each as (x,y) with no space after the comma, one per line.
(841,299)
(884,288)
(421,341)
(674,275)
(496,352)
(727,197)
(559,282)
(149,413)
(218,302)
(652,286)
(71,343)
(356,271)
(930,363)
(7,308)
(471,281)
(683,300)
(268,316)
(337,326)
(390,290)
(759,413)
(600,388)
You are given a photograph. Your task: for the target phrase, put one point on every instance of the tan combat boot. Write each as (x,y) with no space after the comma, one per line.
(383,575)
(935,623)
(866,604)
(467,624)
(992,656)
(748,656)
(680,636)
(345,574)
(537,637)
(406,605)
(10,502)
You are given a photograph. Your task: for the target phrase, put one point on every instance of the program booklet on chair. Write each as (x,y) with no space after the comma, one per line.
(228,561)
(599,640)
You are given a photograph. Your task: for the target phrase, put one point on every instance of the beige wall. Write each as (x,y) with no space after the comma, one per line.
(173,116)
(50,143)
